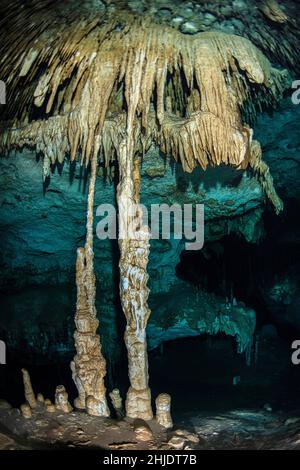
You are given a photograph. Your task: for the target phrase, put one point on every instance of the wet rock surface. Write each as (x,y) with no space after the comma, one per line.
(239,429)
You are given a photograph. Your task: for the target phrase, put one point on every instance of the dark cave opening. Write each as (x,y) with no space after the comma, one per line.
(206,374)
(241,271)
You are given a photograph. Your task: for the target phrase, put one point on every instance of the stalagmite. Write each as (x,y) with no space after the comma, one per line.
(106,93)
(26,410)
(273,11)
(28,390)
(50,408)
(40,398)
(117,402)
(198,86)
(61,399)
(88,366)
(263,175)
(163,410)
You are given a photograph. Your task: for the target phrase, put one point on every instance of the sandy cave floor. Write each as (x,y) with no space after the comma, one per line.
(239,429)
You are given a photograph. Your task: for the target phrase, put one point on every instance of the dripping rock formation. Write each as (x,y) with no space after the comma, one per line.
(132,104)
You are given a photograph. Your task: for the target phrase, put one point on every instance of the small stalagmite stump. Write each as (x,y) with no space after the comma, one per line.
(4,405)
(26,410)
(163,408)
(117,402)
(61,400)
(28,390)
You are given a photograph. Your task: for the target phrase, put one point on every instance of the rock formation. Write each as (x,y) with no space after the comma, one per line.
(134,251)
(50,408)
(61,399)
(117,402)
(103,89)
(28,390)
(142,430)
(88,366)
(40,399)
(26,410)
(163,410)
(272,11)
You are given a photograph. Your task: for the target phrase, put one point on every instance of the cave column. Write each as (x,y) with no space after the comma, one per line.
(134,245)
(88,366)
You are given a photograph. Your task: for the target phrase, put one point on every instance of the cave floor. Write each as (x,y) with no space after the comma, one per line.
(237,429)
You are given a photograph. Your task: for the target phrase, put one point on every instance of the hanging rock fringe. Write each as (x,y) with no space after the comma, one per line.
(70,82)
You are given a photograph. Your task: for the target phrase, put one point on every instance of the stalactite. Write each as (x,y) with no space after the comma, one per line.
(88,366)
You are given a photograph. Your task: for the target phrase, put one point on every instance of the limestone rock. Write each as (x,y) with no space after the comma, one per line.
(117,402)
(89,366)
(273,11)
(28,390)
(40,399)
(61,399)
(189,27)
(6,442)
(188,436)
(4,405)
(292,420)
(26,410)
(95,407)
(176,442)
(163,407)
(50,408)
(137,403)
(134,255)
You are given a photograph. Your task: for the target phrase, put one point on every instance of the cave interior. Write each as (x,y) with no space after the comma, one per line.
(212,328)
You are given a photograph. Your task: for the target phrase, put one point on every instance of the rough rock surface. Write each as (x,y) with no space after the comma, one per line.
(231,430)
